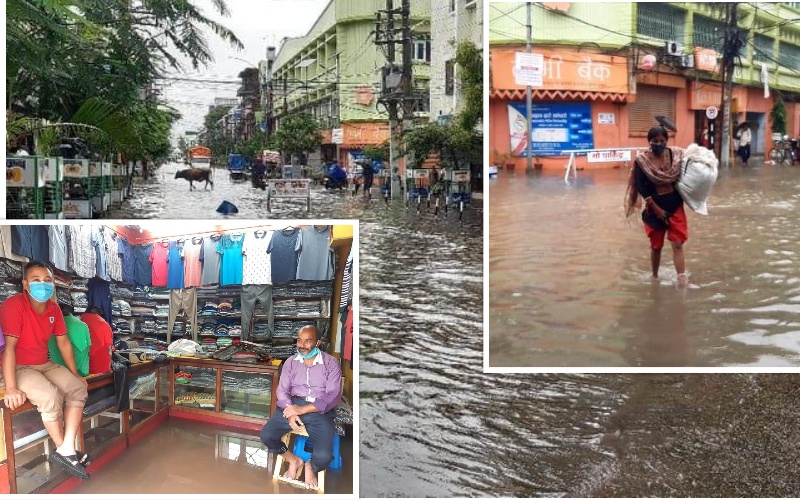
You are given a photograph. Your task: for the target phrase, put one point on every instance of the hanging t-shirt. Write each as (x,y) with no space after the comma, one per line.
(101,260)
(143,269)
(158,258)
(210,259)
(316,256)
(347,282)
(114,262)
(57,237)
(82,256)
(127,261)
(31,242)
(175,265)
(257,262)
(192,267)
(230,250)
(284,248)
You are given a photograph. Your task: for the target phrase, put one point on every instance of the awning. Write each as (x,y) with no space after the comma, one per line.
(556,95)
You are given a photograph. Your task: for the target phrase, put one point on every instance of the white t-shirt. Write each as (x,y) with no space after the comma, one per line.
(745,137)
(257,262)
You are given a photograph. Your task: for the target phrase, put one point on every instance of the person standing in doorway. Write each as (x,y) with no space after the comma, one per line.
(653,177)
(28,320)
(744,136)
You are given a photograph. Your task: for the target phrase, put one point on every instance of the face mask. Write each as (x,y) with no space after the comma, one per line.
(310,355)
(657,149)
(41,291)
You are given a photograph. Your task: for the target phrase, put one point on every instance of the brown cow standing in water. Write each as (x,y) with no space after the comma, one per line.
(195,174)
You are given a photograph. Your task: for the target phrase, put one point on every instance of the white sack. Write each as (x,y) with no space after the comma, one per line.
(698,175)
(183,347)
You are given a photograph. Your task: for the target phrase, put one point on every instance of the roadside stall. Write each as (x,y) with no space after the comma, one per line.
(25,186)
(78,186)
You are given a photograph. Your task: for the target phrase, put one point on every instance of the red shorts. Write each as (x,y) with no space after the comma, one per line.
(677,232)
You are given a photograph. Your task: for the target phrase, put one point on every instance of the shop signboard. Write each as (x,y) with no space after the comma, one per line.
(76,168)
(555,127)
(95,169)
(289,188)
(77,209)
(608,156)
(52,169)
(295,188)
(459,176)
(23,172)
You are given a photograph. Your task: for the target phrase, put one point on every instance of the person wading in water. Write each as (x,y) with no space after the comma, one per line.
(653,177)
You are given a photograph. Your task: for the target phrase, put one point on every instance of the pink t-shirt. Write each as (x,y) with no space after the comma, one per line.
(192,270)
(158,257)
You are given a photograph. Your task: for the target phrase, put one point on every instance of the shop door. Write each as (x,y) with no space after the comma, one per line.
(650,102)
(759,134)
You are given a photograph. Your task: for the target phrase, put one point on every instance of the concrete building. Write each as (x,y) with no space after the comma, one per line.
(452,21)
(334,74)
(599,89)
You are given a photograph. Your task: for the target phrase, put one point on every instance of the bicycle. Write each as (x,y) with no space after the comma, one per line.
(783,153)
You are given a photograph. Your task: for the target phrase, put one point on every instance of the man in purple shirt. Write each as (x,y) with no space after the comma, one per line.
(309,389)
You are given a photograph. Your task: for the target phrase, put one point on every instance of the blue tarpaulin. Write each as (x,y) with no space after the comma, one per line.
(236,162)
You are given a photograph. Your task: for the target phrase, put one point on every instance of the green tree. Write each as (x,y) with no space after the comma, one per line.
(777,117)
(470,62)
(379,152)
(296,135)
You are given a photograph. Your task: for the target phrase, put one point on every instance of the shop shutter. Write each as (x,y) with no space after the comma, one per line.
(650,102)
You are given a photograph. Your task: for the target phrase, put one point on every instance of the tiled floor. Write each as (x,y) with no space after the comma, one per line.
(184,456)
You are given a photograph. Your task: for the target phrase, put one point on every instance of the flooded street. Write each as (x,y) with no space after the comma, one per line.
(164,197)
(570,279)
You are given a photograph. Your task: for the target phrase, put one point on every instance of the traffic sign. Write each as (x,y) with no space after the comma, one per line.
(711,112)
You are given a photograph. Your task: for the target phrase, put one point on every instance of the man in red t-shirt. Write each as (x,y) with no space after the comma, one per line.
(28,320)
(102,340)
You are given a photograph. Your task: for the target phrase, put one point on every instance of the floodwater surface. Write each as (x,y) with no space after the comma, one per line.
(570,283)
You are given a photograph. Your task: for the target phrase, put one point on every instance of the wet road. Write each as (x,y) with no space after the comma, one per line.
(164,197)
(570,279)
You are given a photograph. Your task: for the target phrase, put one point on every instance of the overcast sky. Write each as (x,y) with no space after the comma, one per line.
(257,23)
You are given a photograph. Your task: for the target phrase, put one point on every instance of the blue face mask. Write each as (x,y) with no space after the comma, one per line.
(41,291)
(310,355)
(657,149)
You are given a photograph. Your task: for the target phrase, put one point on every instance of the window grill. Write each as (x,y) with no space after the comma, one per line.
(708,33)
(789,55)
(660,21)
(763,49)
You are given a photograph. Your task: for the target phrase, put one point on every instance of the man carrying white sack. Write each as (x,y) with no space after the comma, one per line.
(698,175)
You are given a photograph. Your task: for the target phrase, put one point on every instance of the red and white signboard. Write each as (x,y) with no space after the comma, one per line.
(608,156)
(711,112)
(529,69)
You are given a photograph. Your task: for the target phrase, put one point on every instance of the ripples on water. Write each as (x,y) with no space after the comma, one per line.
(569,279)
(433,424)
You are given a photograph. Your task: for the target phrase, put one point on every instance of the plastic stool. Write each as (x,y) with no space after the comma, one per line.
(301,443)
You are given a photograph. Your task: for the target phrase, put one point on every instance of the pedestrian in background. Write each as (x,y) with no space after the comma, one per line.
(744,137)
(653,177)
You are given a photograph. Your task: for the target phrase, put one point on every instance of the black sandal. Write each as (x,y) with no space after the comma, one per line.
(83,458)
(70,464)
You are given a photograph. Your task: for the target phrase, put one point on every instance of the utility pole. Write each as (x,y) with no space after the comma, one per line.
(731,49)
(391,86)
(528,103)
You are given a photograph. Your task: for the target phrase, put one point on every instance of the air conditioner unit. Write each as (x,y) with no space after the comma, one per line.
(672,48)
(687,61)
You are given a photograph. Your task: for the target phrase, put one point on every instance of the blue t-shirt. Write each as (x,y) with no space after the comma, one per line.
(231,259)
(175,263)
(143,270)
(284,248)
(128,261)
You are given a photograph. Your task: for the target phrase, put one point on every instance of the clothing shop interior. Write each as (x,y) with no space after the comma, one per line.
(196,340)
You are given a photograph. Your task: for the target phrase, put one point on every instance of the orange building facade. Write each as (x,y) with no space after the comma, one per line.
(589,100)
